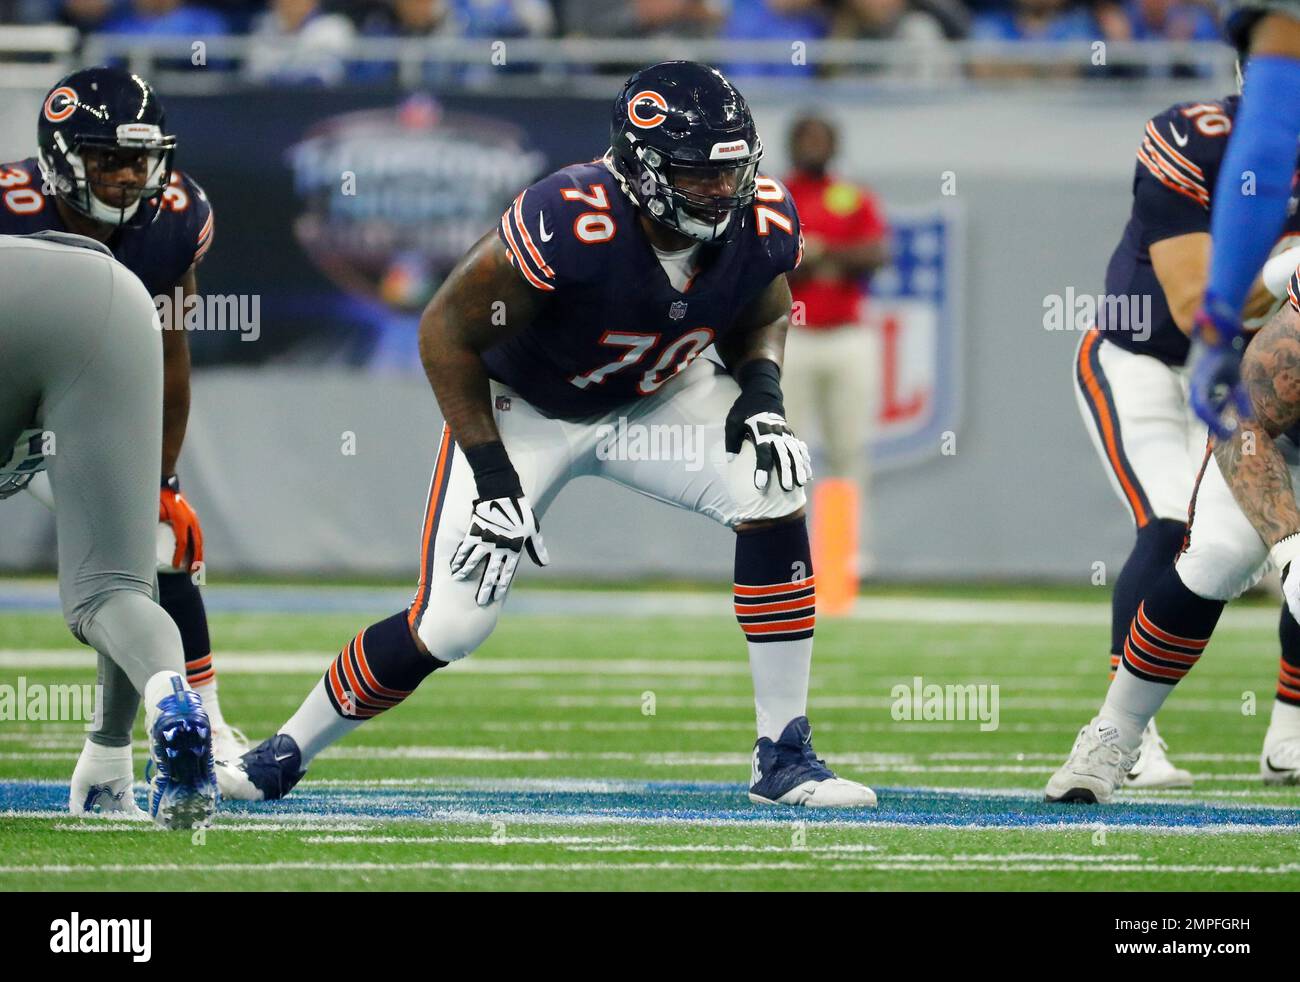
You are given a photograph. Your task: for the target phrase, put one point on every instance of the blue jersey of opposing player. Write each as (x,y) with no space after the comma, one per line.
(614,328)
(172,233)
(1177,166)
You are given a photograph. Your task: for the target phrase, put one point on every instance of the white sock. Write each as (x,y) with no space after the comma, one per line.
(158,688)
(1130,704)
(317,724)
(1285,722)
(780,671)
(208,693)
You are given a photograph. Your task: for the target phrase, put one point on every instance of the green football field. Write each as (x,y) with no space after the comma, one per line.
(601,740)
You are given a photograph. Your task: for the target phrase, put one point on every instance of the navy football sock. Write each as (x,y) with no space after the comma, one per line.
(375,671)
(776,605)
(1170,630)
(1157,544)
(1288,678)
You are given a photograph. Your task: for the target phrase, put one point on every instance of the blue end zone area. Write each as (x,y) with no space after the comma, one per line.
(712,803)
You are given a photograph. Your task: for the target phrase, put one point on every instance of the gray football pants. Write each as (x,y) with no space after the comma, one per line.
(80,359)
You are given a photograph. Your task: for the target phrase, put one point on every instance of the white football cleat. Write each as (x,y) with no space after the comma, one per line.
(1097,767)
(1154,769)
(1279,762)
(102,784)
(228,743)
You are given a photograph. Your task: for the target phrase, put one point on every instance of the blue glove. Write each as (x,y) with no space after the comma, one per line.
(1214,364)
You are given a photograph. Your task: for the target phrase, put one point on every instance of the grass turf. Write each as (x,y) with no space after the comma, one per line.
(612,753)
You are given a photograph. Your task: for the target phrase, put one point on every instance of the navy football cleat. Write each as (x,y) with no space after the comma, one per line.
(788,772)
(267,772)
(182,783)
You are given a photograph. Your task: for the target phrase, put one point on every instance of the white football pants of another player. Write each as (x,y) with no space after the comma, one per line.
(1225,556)
(668,446)
(1150,442)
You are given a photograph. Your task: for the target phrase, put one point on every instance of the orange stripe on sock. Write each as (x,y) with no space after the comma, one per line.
(773,588)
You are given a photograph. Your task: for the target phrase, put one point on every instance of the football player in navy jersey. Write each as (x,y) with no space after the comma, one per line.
(1131,384)
(104,171)
(586,310)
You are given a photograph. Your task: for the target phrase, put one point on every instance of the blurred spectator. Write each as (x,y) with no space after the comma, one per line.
(1032,20)
(884,20)
(294,42)
(1035,20)
(769,20)
(831,370)
(897,20)
(506,18)
(412,18)
(408,19)
(642,18)
(165,18)
(1167,20)
(86,15)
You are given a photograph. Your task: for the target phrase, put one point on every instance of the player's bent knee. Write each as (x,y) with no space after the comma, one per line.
(450,635)
(1221,570)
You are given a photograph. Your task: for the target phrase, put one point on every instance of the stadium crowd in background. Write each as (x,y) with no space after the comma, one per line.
(922,20)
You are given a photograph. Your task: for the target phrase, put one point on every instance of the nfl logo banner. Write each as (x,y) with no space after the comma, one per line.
(915,312)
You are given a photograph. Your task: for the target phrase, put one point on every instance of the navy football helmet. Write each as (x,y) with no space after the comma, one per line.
(103,121)
(684,144)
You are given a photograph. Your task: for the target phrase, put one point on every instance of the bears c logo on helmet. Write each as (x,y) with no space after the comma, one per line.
(60,104)
(637,109)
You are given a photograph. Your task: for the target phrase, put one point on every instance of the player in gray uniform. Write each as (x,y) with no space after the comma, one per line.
(80,387)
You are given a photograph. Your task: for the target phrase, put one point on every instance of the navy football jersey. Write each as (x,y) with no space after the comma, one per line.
(159,252)
(614,329)
(1177,167)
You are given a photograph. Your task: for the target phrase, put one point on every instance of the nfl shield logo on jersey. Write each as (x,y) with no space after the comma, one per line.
(677,311)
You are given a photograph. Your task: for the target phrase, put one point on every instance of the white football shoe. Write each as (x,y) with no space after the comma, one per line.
(1279,762)
(228,743)
(102,784)
(1097,767)
(1154,769)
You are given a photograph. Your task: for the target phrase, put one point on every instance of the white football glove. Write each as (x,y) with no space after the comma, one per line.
(1284,555)
(776,445)
(499,529)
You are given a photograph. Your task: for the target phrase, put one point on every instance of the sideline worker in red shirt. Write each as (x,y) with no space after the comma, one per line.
(831,371)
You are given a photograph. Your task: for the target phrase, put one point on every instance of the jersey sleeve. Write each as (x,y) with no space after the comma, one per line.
(541,237)
(1178,163)
(188,215)
(776,224)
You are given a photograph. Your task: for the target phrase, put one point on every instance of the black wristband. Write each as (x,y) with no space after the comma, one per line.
(494,475)
(762,376)
(171,481)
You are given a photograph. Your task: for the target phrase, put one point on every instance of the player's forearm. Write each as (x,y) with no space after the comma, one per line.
(460,384)
(176,396)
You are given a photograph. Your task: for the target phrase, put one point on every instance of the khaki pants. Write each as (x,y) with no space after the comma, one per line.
(831,386)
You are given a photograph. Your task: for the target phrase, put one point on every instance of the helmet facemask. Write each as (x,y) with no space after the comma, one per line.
(91,179)
(704,200)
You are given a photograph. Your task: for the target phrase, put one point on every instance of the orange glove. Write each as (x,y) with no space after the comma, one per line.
(175,511)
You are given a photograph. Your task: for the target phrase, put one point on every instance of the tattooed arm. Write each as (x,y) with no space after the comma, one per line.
(1249,459)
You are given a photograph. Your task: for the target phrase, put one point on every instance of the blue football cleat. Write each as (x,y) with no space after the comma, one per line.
(182,782)
(267,772)
(788,772)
